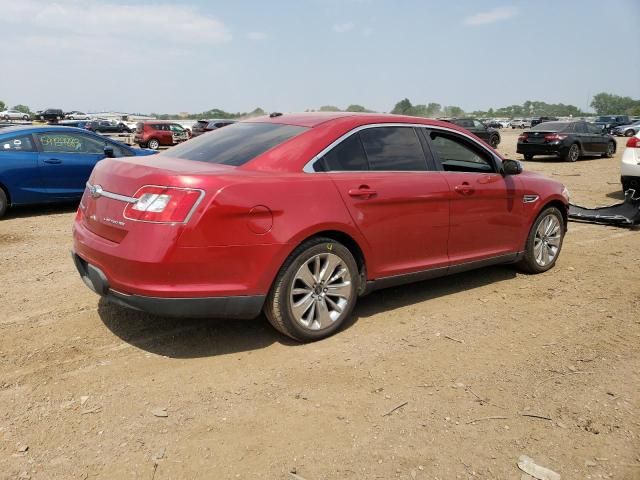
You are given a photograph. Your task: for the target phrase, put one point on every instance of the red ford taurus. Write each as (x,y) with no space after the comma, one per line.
(298,215)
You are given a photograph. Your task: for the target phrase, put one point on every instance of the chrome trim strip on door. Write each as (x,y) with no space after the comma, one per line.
(308,167)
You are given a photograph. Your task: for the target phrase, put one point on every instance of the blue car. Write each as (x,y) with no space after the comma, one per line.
(41,164)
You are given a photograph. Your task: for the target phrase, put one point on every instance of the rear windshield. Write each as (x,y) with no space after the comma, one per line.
(236,144)
(555,126)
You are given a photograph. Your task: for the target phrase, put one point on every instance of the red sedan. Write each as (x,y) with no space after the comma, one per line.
(297,215)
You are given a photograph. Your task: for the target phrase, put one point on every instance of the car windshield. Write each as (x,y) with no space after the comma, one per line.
(236,144)
(554,126)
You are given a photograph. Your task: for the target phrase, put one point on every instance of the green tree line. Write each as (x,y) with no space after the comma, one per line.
(603,103)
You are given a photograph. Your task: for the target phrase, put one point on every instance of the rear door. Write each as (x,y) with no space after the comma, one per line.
(486,208)
(19,171)
(66,160)
(395,197)
(599,139)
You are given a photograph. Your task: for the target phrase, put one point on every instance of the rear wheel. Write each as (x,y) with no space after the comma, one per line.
(611,150)
(153,144)
(494,141)
(544,242)
(573,153)
(314,292)
(4,203)
(528,156)
(630,133)
(25,117)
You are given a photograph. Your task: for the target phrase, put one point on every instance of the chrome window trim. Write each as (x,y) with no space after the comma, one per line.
(308,167)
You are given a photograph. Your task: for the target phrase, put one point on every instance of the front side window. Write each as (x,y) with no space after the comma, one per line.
(236,144)
(70,143)
(459,155)
(478,124)
(393,148)
(176,128)
(21,143)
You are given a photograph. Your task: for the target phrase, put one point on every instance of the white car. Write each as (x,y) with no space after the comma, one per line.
(630,166)
(13,115)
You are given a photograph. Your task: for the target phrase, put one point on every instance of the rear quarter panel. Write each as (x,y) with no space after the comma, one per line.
(265,209)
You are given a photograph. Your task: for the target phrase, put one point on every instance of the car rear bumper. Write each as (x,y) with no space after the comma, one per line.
(240,307)
(542,149)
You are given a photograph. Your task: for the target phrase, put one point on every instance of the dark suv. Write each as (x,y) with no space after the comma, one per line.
(104,126)
(51,115)
(539,120)
(609,122)
(479,129)
(204,126)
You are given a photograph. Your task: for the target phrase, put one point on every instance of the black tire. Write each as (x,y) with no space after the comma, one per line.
(630,133)
(626,185)
(6,117)
(528,156)
(25,117)
(278,308)
(528,263)
(4,203)
(611,150)
(573,154)
(153,144)
(494,141)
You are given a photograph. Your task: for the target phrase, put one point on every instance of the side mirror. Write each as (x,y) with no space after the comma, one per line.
(511,167)
(108,152)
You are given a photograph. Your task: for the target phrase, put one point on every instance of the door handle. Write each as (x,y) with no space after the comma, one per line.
(464,189)
(363,191)
(52,161)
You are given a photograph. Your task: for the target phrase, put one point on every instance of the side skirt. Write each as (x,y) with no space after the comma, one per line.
(386,282)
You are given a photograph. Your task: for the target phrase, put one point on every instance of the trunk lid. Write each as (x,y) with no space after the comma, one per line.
(103,212)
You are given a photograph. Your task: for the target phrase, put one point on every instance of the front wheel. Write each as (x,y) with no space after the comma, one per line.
(573,153)
(153,144)
(494,141)
(629,133)
(544,242)
(611,150)
(314,292)
(25,117)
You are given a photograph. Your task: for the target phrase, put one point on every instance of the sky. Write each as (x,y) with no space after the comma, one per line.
(290,55)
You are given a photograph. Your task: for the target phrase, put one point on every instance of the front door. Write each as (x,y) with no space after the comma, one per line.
(66,160)
(486,207)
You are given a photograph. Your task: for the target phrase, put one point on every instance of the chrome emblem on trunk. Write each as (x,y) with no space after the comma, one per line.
(95,191)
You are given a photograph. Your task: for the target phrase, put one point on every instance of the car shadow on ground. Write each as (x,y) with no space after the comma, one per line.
(556,159)
(40,210)
(618,195)
(196,338)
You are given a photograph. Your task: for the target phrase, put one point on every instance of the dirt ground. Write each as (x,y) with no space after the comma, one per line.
(90,390)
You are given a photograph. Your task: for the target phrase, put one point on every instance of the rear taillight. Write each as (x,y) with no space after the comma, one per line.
(633,142)
(522,137)
(163,204)
(554,137)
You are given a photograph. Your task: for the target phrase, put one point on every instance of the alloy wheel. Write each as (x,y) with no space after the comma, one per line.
(574,153)
(547,241)
(320,291)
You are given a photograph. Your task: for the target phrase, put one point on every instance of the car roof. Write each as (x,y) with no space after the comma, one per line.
(314,119)
(27,129)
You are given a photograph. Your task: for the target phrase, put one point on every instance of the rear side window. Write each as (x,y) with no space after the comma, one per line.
(393,148)
(348,155)
(17,144)
(236,144)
